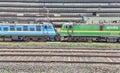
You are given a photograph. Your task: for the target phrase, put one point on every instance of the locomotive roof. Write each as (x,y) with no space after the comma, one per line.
(90,24)
(23,24)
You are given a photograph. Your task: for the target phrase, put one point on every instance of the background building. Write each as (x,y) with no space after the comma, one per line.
(56,11)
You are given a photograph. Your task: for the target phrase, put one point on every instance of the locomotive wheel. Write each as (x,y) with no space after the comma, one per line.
(69,39)
(75,39)
(90,40)
(111,40)
(118,40)
(57,38)
(62,38)
(29,40)
(41,39)
(47,38)
(8,39)
(52,39)
(1,39)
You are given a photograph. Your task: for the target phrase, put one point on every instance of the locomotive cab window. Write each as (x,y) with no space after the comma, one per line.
(5,28)
(70,26)
(45,26)
(49,27)
(65,26)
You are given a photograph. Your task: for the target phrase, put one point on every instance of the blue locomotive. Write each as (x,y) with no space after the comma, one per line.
(39,32)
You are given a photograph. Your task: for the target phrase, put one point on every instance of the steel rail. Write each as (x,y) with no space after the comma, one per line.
(62,55)
(76,48)
(84,62)
(62,51)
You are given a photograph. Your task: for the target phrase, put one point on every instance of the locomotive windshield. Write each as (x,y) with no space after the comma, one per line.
(68,26)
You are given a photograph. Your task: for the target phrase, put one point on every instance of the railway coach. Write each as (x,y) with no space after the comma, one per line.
(90,32)
(36,32)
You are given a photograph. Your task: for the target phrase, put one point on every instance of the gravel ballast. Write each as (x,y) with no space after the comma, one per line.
(58,68)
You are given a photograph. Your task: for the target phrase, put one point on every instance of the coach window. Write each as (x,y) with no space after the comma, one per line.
(0,29)
(32,29)
(12,28)
(38,28)
(18,29)
(25,28)
(5,28)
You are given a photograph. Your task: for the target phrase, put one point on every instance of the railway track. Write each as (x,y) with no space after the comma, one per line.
(68,48)
(59,56)
(61,50)
(62,54)
(84,62)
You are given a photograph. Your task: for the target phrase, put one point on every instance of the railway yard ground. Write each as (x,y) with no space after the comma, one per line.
(70,45)
(59,57)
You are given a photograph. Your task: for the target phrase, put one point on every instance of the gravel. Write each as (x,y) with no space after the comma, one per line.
(59,68)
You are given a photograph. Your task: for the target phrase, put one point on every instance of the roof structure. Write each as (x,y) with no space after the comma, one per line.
(56,11)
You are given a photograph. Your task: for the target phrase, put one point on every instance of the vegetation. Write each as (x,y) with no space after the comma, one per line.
(59,44)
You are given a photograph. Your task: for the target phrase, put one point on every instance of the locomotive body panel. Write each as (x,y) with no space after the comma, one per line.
(91,30)
(42,30)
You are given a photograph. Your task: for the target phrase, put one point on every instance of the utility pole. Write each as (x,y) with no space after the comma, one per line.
(47,14)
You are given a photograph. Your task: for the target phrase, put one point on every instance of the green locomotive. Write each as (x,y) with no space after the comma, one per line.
(90,32)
